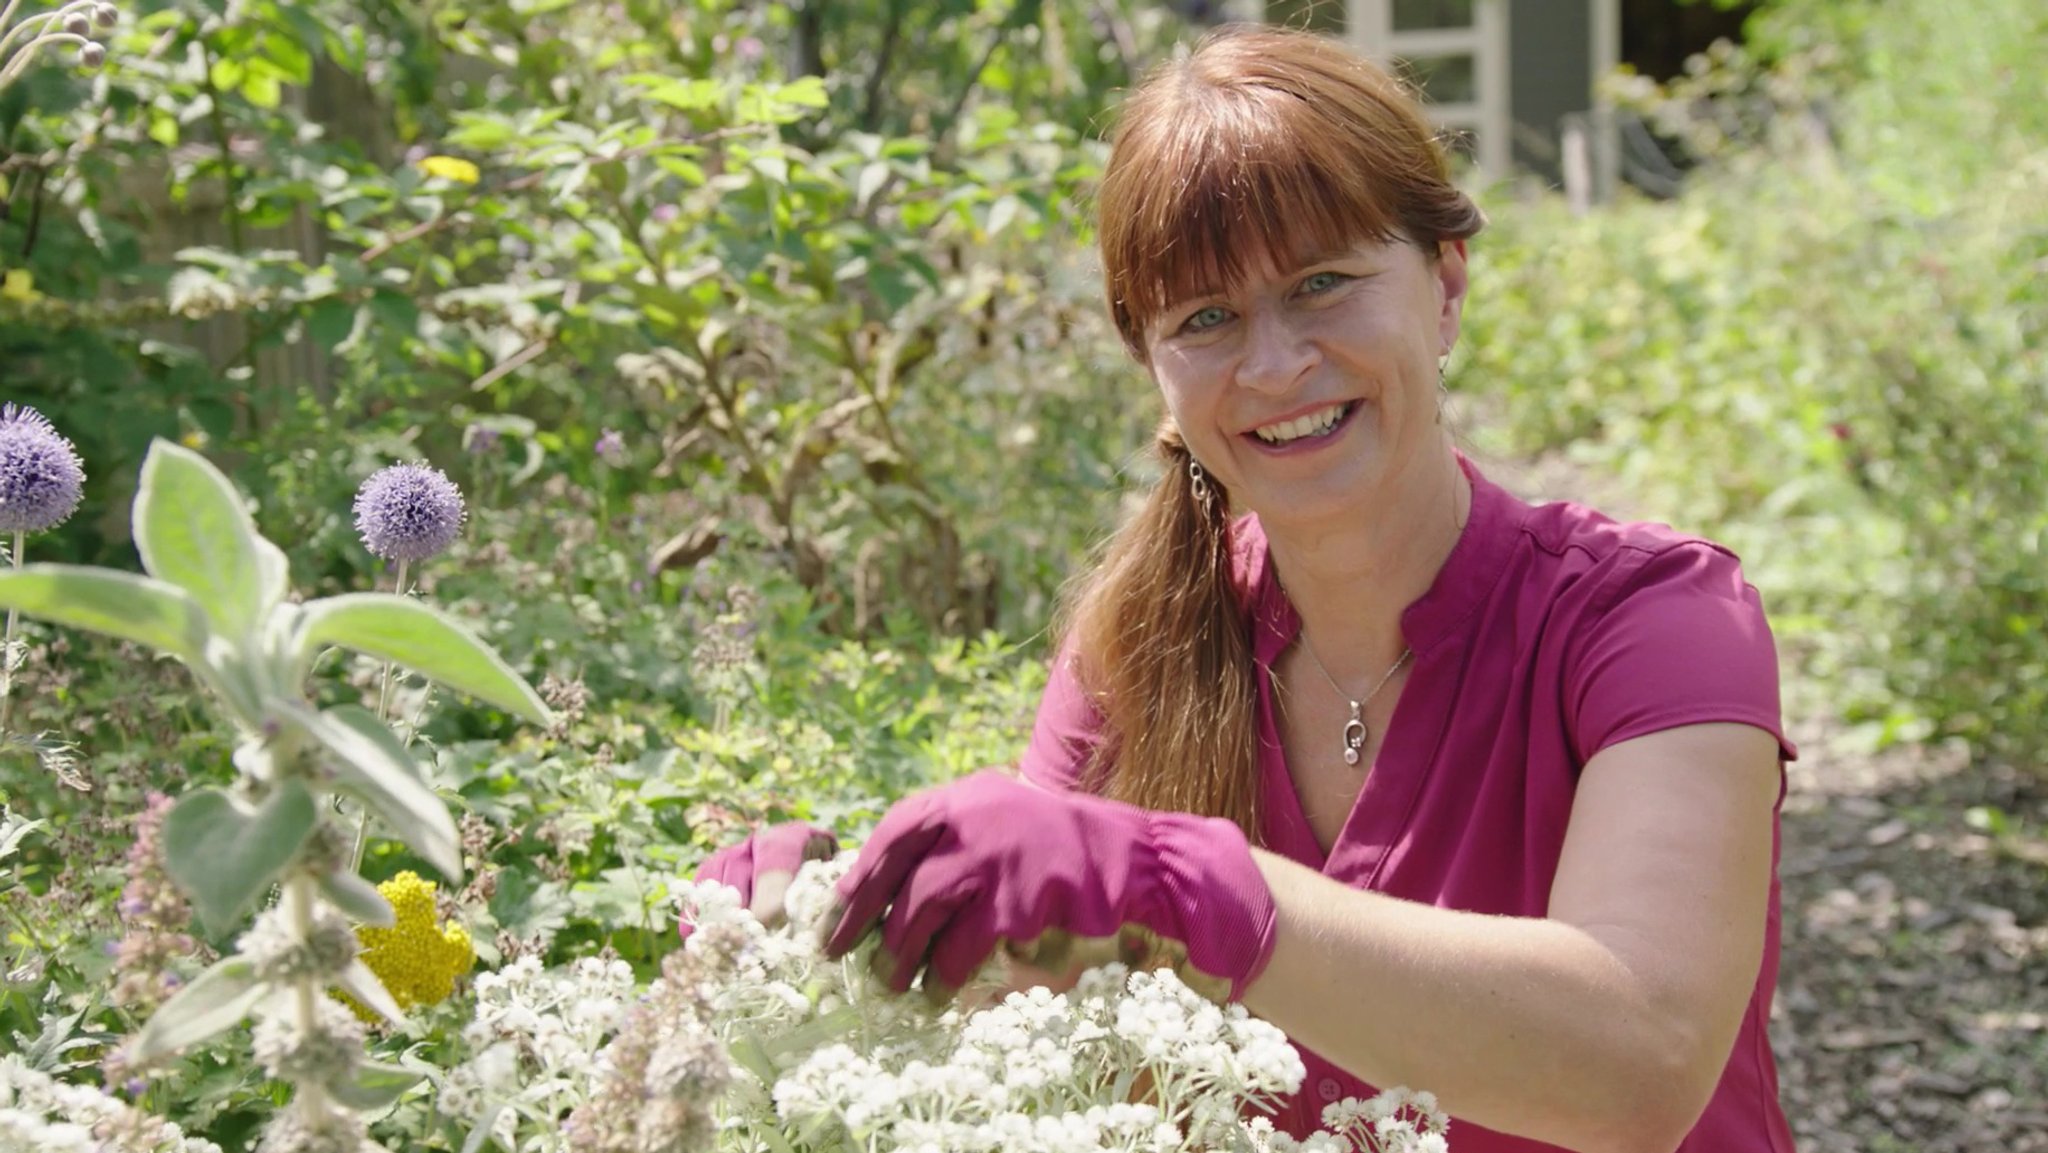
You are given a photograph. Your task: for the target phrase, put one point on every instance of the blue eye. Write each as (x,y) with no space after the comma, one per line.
(1207,318)
(1321,282)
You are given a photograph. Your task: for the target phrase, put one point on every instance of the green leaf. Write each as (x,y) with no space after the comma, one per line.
(359,899)
(192,530)
(330,322)
(804,92)
(423,639)
(872,177)
(372,765)
(1002,214)
(375,1085)
(481,1133)
(361,983)
(225,854)
(122,605)
(213,1003)
(14,828)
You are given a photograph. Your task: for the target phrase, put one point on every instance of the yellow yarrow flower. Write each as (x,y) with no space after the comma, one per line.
(417,960)
(451,168)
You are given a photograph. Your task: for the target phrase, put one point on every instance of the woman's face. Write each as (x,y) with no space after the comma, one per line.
(1310,385)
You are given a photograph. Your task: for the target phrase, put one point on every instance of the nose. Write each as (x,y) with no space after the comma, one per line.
(1277,354)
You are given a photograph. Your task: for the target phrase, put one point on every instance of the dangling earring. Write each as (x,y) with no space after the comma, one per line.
(1443,390)
(1198,484)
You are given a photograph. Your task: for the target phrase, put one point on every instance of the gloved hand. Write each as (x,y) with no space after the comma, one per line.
(762,866)
(952,872)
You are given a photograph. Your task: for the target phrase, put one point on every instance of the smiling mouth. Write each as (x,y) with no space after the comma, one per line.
(1314,426)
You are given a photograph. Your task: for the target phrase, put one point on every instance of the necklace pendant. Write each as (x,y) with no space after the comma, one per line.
(1355,734)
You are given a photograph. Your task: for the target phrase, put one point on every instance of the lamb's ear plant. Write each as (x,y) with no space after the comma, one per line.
(215,598)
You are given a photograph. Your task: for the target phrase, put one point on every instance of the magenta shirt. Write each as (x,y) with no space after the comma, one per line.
(1551,633)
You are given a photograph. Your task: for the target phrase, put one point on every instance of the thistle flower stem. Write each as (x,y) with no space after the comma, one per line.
(384,689)
(383,714)
(7,654)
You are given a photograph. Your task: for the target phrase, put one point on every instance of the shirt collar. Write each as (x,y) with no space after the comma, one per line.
(1460,588)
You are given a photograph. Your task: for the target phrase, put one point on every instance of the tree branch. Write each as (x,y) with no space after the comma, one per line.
(871,109)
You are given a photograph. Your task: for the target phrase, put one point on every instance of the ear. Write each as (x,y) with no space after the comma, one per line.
(1451,285)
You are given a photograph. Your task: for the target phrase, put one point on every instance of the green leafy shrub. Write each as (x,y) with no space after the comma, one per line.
(1829,352)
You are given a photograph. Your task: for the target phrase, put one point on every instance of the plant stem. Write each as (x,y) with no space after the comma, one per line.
(28,930)
(298,909)
(383,714)
(7,654)
(229,179)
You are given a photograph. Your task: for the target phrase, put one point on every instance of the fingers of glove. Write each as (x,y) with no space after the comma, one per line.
(786,847)
(961,946)
(884,864)
(732,865)
(912,923)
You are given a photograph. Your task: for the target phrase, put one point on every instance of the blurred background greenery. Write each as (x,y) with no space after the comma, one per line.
(766,342)
(797,300)
(824,271)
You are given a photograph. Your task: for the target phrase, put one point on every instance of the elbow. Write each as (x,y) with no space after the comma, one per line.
(1666,1093)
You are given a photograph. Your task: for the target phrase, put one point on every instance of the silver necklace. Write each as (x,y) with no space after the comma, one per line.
(1356,733)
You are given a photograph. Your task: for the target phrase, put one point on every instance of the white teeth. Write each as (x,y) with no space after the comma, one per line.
(1314,424)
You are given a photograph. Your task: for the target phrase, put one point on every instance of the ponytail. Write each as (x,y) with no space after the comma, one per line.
(1164,652)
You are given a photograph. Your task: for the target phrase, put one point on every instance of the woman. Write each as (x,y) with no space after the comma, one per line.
(1461,793)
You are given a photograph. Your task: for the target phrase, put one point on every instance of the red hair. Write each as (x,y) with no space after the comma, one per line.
(1262,142)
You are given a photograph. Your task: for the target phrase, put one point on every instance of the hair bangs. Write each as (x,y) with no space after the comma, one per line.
(1242,179)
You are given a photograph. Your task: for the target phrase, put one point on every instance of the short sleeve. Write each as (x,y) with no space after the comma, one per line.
(1067,732)
(1677,637)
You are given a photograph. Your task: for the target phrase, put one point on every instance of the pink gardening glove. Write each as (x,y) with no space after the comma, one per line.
(990,859)
(762,865)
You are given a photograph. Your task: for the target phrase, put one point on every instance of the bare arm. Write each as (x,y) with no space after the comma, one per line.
(1604,1027)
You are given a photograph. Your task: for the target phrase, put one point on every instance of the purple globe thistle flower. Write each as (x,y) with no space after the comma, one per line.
(408,512)
(41,477)
(611,446)
(479,440)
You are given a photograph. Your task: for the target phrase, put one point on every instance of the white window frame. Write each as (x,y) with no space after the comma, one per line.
(1369,27)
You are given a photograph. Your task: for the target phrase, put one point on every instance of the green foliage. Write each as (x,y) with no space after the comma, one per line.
(1828,352)
(797,256)
(216,1001)
(226,852)
(822,269)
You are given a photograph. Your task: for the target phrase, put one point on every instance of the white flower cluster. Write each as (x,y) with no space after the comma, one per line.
(42,1113)
(536,1044)
(1127,1061)
(826,1060)
(1396,1121)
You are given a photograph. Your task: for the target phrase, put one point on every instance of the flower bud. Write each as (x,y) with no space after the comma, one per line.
(92,55)
(78,24)
(106,15)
